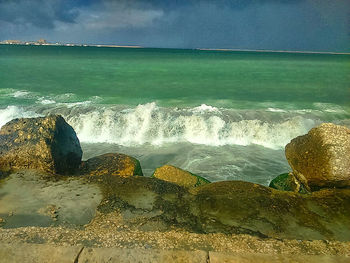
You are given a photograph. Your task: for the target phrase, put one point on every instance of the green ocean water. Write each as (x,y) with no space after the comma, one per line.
(176,77)
(222,115)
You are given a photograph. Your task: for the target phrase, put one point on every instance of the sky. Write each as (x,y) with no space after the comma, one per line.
(308,25)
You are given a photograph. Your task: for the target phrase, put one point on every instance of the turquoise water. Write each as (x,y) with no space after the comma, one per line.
(223,115)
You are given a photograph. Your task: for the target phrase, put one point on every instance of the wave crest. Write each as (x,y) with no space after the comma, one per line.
(149,124)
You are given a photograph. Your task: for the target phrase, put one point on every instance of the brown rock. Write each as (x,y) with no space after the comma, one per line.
(243,207)
(231,207)
(321,158)
(178,176)
(115,164)
(48,144)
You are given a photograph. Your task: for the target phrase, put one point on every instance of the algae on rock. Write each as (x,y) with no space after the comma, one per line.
(178,176)
(288,182)
(114,164)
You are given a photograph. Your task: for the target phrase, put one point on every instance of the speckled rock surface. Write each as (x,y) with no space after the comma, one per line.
(114,164)
(321,157)
(178,176)
(48,144)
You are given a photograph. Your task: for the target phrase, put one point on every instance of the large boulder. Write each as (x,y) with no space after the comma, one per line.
(48,144)
(114,164)
(321,158)
(178,176)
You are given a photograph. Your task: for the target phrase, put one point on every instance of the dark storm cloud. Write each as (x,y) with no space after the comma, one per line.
(256,24)
(39,13)
(44,13)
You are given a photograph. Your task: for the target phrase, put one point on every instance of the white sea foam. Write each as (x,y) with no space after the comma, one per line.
(13,112)
(205,108)
(20,94)
(149,124)
(46,101)
(275,110)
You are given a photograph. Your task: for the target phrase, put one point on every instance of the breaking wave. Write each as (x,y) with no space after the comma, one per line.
(150,124)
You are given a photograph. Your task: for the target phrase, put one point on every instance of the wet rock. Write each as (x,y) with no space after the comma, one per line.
(178,176)
(50,210)
(242,207)
(114,164)
(288,182)
(47,144)
(321,158)
(231,207)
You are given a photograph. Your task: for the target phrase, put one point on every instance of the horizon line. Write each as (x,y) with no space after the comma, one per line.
(197,48)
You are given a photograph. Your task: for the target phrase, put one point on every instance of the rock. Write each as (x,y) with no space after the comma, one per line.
(230,207)
(48,144)
(321,158)
(243,207)
(288,182)
(115,164)
(178,176)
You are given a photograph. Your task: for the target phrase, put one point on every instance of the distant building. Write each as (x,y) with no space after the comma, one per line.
(42,41)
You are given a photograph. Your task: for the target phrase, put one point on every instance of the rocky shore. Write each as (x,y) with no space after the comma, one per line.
(106,201)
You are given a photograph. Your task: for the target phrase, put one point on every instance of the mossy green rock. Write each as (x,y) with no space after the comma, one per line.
(114,164)
(178,176)
(288,182)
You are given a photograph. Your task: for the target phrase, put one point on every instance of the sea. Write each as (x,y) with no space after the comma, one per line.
(224,115)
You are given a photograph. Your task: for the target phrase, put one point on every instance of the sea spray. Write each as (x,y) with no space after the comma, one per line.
(150,124)
(13,112)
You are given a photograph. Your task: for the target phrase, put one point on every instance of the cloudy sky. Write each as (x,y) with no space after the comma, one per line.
(313,25)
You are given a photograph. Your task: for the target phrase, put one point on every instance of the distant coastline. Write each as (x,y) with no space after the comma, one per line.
(276,51)
(43,42)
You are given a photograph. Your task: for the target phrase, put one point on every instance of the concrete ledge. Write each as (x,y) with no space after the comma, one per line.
(35,253)
(94,255)
(43,253)
(218,257)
